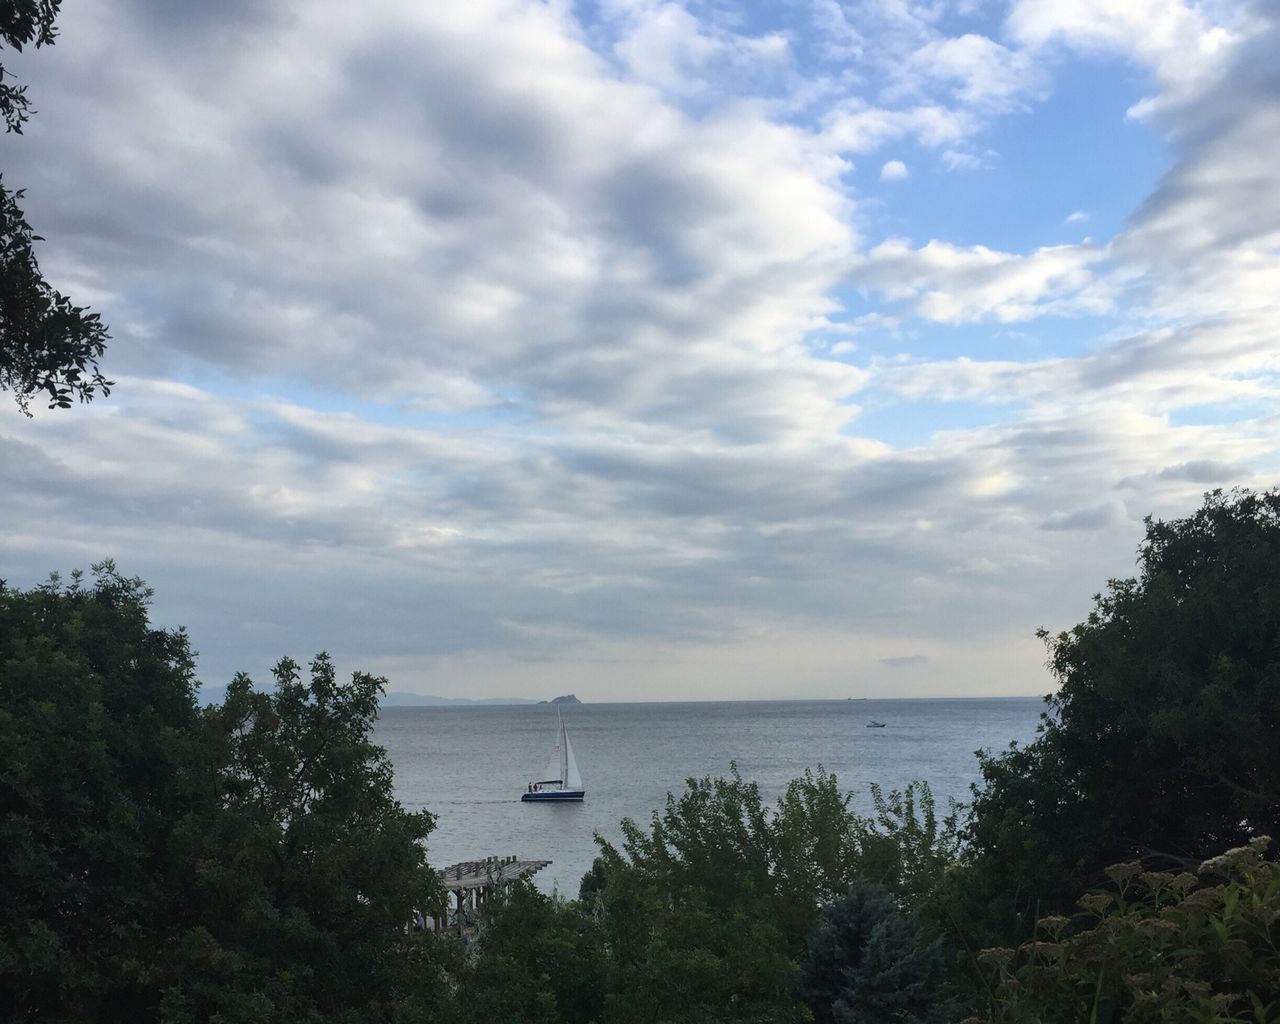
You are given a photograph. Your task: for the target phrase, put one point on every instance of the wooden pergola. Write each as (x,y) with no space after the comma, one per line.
(472,882)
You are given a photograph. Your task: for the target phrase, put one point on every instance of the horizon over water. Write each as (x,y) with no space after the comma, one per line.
(468,765)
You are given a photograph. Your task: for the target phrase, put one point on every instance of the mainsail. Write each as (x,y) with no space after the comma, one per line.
(572,779)
(554,771)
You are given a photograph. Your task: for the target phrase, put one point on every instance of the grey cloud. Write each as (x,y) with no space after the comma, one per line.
(905,661)
(1204,471)
(1207,236)
(269,529)
(368,212)
(1096,518)
(194,19)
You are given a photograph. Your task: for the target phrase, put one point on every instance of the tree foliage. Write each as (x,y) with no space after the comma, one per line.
(242,863)
(908,848)
(695,915)
(1154,947)
(102,760)
(539,959)
(707,913)
(869,963)
(306,869)
(1161,740)
(248,862)
(47,343)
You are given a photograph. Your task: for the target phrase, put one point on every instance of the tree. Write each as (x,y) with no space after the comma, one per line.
(538,958)
(909,849)
(47,343)
(246,862)
(869,963)
(102,761)
(705,914)
(306,870)
(1161,741)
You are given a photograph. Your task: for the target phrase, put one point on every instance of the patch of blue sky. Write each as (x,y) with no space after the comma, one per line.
(908,424)
(758,18)
(1073,152)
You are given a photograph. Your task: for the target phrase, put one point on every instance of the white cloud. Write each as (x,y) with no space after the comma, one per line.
(1095,517)
(662,43)
(1208,239)
(1184,44)
(984,73)
(665,45)
(894,170)
(949,284)
(858,127)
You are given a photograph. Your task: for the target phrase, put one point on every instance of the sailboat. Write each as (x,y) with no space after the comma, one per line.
(560,780)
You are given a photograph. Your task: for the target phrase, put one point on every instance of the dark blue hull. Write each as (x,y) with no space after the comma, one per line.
(556,794)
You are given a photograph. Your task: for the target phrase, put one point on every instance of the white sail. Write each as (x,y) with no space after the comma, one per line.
(572,779)
(554,771)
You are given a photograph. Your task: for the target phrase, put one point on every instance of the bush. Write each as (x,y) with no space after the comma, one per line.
(1154,947)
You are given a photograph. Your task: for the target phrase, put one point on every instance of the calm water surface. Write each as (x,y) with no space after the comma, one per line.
(469,765)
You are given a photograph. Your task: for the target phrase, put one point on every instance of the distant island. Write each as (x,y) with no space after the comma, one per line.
(568,698)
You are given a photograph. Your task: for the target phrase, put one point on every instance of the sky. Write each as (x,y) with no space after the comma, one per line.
(648,349)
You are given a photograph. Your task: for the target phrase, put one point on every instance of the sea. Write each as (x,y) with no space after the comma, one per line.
(469,765)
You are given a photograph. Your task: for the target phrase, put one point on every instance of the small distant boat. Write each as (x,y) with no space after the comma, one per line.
(873,724)
(560,780)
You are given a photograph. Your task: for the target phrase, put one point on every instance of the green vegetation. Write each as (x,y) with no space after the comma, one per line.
(159,861)
(1161,742)
(1156,947)
(47,343)
(248,862)
(540,958)
(869,963)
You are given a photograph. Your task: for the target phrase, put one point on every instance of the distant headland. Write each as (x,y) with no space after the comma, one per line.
(401,699)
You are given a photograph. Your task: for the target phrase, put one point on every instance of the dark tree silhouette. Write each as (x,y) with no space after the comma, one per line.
(47,343)
(869,964)
(1161,741)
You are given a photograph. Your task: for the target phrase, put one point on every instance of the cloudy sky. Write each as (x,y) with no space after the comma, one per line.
(648,348)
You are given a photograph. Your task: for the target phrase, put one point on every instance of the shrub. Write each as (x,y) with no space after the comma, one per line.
(1154,947)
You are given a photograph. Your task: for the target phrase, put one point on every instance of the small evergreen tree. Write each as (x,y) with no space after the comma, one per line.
(869,964)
